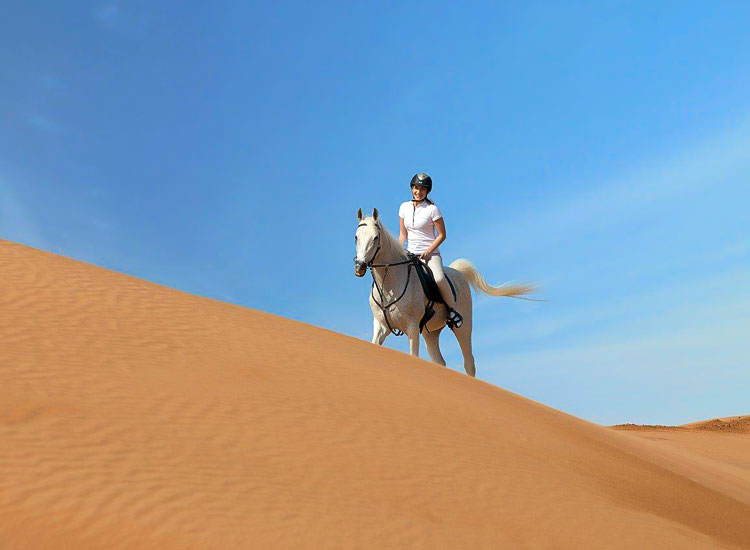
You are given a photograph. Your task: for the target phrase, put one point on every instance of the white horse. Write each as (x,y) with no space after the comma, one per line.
(398,301)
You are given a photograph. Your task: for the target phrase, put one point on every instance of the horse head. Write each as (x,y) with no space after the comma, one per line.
(367,241)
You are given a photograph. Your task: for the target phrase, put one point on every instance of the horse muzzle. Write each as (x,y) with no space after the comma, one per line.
(360,268)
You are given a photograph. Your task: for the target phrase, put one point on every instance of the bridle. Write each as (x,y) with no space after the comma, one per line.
(369,264)
(409,262)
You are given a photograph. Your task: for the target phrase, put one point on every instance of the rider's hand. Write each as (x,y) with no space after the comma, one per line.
(424,255)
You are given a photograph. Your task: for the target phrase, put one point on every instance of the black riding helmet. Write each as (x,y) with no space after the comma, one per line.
(423,180)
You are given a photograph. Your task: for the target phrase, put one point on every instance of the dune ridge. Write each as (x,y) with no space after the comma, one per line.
(137,416)
(729,424)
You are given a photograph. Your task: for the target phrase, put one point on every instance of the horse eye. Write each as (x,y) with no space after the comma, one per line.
(376,237)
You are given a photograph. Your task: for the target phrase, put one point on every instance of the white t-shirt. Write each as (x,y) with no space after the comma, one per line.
(419,220)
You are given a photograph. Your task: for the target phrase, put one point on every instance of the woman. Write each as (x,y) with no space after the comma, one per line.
(422,225)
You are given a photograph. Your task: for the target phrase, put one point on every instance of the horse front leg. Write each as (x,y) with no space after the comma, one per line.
(412,332)
(379,332)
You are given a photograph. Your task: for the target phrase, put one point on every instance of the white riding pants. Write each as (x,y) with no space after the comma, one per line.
(436,265)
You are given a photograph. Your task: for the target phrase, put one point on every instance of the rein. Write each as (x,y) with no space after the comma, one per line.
(410,262)
(386,307)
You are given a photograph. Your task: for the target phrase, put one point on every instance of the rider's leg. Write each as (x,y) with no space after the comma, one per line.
(436,265)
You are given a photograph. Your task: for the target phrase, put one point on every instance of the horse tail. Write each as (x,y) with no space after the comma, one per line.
(477,282)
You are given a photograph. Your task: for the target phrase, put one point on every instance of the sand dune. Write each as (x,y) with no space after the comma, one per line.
(136,416)
(722,444)
(729,424)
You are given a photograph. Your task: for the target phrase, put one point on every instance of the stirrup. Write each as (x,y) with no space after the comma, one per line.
(454,319)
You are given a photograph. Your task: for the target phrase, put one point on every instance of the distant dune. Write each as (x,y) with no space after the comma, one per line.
(721,444)
(729,424)
(135,416)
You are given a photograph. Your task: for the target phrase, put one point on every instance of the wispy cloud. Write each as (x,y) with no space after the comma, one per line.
(670,375)
(621,200)
(661,310)
(648,277)
(672,303)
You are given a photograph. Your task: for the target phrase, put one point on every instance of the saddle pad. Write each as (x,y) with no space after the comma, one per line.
(429,285)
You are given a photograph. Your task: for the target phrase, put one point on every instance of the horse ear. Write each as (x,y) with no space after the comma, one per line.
(375,214)
(359,214)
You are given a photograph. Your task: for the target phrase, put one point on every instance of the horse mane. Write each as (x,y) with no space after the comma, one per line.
(387,238)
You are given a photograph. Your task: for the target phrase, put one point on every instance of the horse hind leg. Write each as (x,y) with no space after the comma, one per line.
(463,335)
(432,342)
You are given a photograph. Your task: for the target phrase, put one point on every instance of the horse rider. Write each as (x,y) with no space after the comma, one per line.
(423,227)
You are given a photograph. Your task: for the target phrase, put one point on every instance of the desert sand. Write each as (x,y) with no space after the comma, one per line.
(716,441)
(137,416)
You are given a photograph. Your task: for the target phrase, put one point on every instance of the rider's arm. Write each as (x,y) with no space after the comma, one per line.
(401,231)
(440,230)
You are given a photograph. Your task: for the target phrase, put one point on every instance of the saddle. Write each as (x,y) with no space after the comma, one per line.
(431,290)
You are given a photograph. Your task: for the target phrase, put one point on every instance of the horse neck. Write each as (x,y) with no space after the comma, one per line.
(390,252)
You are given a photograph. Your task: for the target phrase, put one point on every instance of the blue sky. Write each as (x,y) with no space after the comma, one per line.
(599,149)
